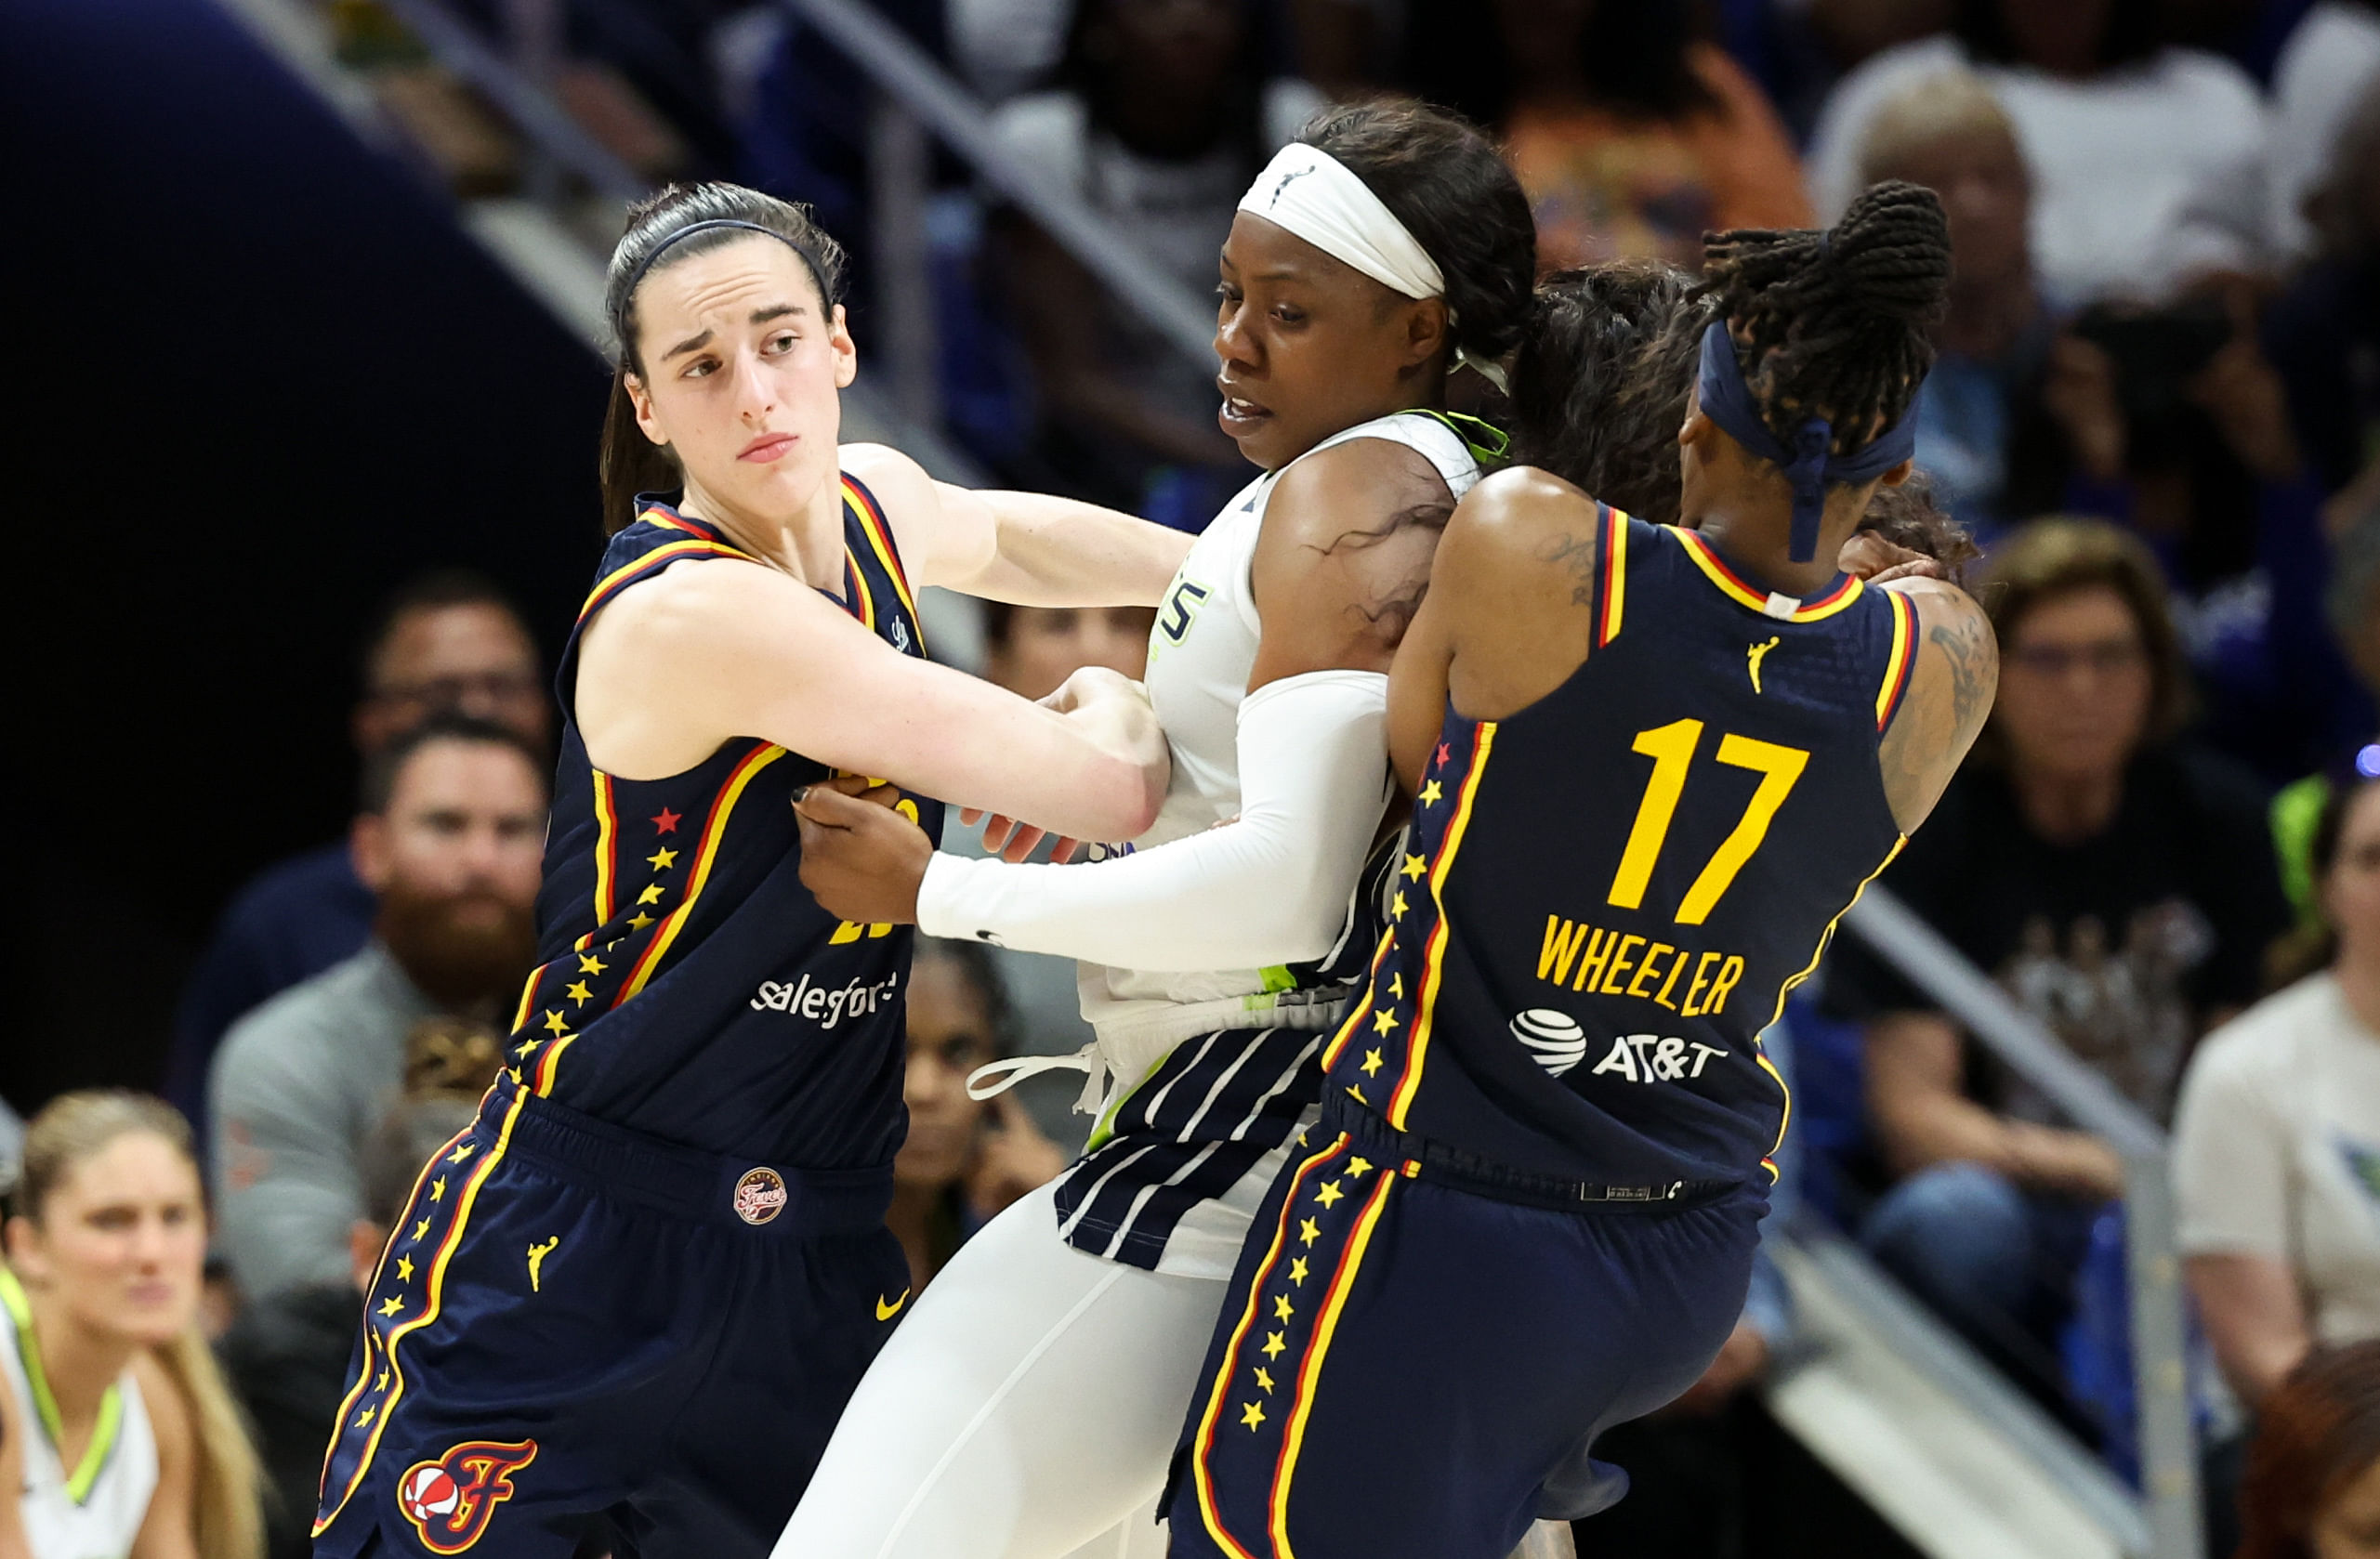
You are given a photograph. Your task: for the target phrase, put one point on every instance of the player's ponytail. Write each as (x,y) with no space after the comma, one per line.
(659,234)
(1836,323)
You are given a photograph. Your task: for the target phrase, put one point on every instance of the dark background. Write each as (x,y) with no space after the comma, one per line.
(257,375)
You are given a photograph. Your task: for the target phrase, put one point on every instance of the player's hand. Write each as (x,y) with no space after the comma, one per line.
(862,859)
(1868,556)
(1013,840)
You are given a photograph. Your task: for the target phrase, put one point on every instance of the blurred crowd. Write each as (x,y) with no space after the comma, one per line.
(2157,407)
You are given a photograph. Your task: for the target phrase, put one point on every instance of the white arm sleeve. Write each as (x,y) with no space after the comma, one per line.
(1272,887)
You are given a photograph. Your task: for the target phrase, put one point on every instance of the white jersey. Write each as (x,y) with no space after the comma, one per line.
(1200,651)
(95,1511)
(1212,1070)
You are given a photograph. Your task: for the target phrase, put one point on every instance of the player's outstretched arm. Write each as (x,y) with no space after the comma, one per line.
(1950,697)
(1028,548)
(1344,555)
(706,653)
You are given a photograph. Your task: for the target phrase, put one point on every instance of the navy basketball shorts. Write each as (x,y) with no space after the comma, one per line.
(576,1324)
(1412,1363)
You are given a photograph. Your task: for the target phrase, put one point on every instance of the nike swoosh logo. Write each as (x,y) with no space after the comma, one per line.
(887,1312)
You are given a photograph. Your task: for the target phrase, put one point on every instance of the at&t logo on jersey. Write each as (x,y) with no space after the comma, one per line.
(1554,1039)
(451,1500)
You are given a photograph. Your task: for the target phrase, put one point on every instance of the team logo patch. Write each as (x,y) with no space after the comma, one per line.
(759,1195)
(451,1500)
(1554,1039)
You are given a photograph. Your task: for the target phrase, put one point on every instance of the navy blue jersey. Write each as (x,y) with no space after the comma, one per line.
(1606,895)
(691,987)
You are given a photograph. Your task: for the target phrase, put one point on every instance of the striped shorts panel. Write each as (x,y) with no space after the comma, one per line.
(1198,1125)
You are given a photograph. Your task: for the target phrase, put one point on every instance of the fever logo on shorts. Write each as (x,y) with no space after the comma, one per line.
(759,1195)
(451,1500)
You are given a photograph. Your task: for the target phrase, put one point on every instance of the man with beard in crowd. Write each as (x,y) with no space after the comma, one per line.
(450,838)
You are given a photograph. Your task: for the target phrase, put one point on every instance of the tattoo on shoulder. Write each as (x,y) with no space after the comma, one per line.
(1579,555)
(1974,658)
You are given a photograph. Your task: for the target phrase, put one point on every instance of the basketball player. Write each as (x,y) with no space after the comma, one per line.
(639,1287)
(1028,1405)
(1651,767)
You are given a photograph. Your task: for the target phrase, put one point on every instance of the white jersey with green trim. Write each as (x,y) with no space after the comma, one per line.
(1201,652)
(94,1509)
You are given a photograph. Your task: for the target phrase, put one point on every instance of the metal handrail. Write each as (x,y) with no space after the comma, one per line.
(526,103)
(908,75)
(2158,1312)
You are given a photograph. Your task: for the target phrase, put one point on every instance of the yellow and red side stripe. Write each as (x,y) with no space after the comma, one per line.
(1902,661)
(1434,956)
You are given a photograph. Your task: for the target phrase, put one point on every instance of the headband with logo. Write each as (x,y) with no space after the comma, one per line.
(1727,400)
(1312,194)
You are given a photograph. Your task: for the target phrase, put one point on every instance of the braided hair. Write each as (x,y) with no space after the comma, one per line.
(1836,324)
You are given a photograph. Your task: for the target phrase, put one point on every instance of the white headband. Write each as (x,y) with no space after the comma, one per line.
(1312,194)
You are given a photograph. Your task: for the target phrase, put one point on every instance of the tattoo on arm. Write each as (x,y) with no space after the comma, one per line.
(1579,555)
(1974,662)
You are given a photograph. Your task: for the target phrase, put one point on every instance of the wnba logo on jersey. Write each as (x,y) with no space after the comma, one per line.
(451,1500)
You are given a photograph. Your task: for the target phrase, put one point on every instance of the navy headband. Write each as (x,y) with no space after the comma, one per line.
(636,277)
(1808,465)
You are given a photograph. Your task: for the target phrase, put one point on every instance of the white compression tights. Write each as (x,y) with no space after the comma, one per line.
(1026,1409)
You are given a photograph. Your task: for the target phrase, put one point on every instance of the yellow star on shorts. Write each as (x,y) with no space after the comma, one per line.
(652,893)
(421,1228)
(438,1190)
(641,920)
(1264,1377)
(1308,1231)
(382,1384)
(363,1418)
(661,860)
(463,1152)
(404,1269)
(1383,1020)
(578,992)
(1329,1194)
(1373,1062)
(392,1304)
(1431,792)
(1397,907)
(1274,1347)
(1253,1415)
(1360,1164)
(555,1021)
(1397,987)
(1298,1271)
(1414,866)
(589,964)
(527,1047)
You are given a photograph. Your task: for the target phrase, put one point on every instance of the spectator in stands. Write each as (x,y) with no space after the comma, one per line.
(2331,58)
(1948,133)
(2120,887)
(1632,135)
(451,840)
(964,1159)
(2277,1139)
(2313,1485)
(2147,161)
(2324,331)
(1030,650)
(117,1433)
(1163,115)
(288,1352)
(446,641)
